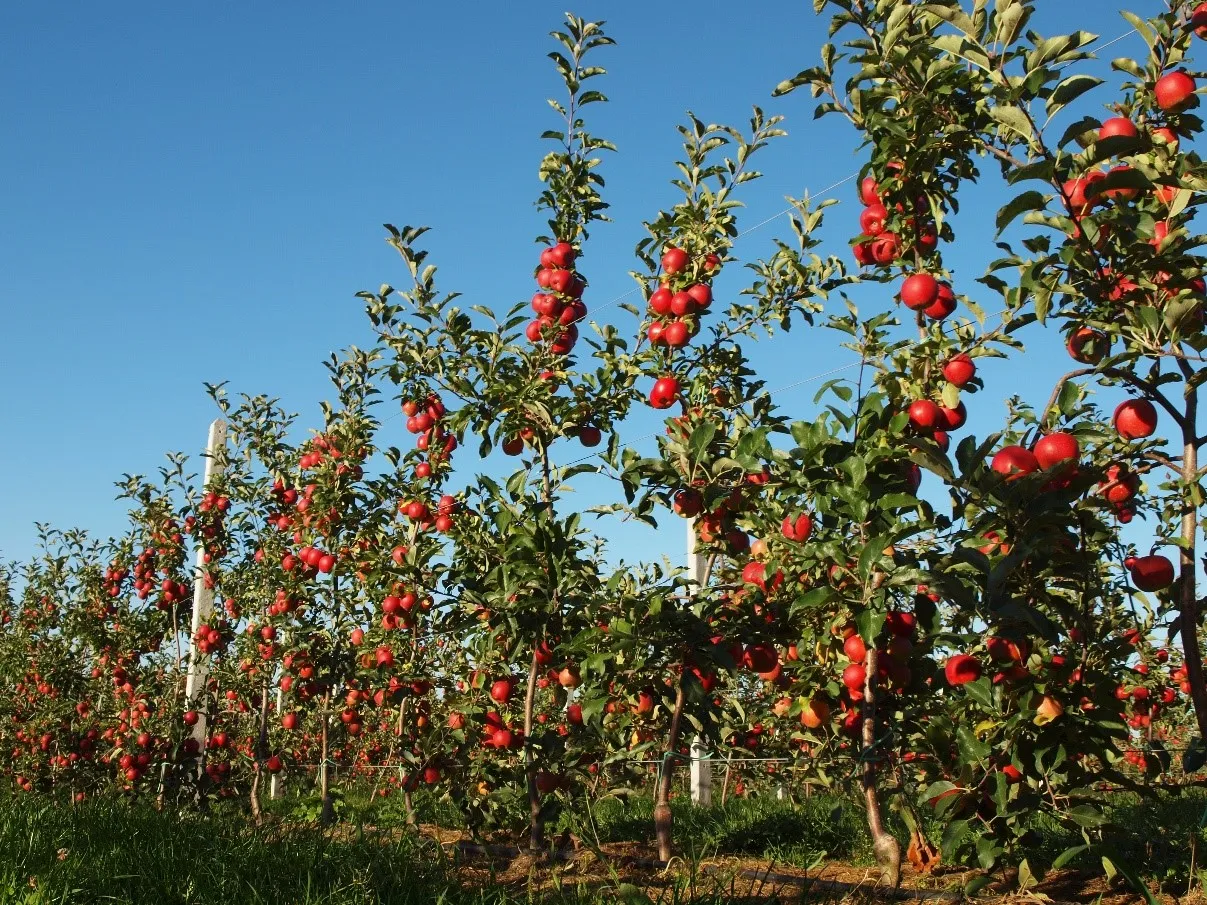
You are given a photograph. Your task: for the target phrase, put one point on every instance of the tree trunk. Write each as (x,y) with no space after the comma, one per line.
(888,851)
(261,753)
(328,814)
(663,818)
(1188,604)
(536,832)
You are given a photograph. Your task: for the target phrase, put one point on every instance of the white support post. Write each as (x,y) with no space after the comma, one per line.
(701,774)
(203,597)
(701,766)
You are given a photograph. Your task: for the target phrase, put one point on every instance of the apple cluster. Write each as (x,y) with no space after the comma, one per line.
(676,307)
(559,304)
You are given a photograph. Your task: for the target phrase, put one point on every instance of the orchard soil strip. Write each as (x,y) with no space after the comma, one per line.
(761,876)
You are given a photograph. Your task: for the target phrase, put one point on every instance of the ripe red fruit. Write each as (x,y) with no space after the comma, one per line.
(1087,345)
(959,369)
(289,721)
(273,764)
(190,717)
(675,334)
(501,691)
(1135,419)
(872,220)
(682,303)
(574,714)
(953,419)
(924,415)
(961,669)
(589,435)
(797,529)
(900,623)
(688,503)
(920,290)
(1198,20)
(562,255)
(1173,90)
(886,248)
(1056,448)
(664,393)
(943,305)
(701,294)
(501,738)
(760,657)
(855,649)
(1151,573)
(1014,462)
(660,301)
(1119,485)
(1116,127)
(869,190)
(854,677)
(674,260)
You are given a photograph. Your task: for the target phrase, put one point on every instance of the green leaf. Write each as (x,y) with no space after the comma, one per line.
(1068,90)
(981,691)
(1015,120)
(934,790)
(953,836)
(1068,855)
(1026,879)
(976,884)
(1087,815)
(1027,201)
(701,438)
(1113,863)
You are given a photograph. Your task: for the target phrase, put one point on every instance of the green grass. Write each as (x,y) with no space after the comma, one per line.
(778,831)
(106,851)
(115,851)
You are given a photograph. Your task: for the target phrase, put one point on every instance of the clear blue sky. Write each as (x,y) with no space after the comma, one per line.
(194,194)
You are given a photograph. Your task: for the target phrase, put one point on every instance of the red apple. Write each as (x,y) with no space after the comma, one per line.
(1135,419)
(1173,90)
(961,669)
(1087,345)
(797,529)
(1118,126)
(674,260)
(1151,573)
(1056,448)
(920,290)
(924,415)
(959,369)
(1014,462)
(664,393)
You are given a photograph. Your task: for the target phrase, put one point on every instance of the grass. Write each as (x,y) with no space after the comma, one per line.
(107,851)
(118,852)
(797,835)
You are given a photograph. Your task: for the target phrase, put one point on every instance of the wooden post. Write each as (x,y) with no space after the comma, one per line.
(203,597)
(701,768)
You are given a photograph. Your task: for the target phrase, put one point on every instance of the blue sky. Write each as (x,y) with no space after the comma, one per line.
(194,194)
